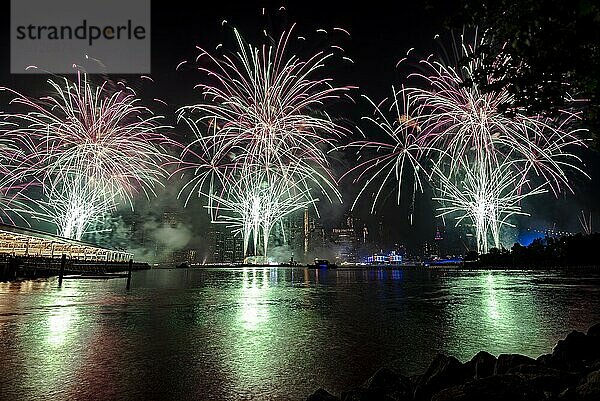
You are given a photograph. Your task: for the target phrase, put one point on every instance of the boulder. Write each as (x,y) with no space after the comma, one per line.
(593,355)
(414,379)
(576,351)
(322,395)
(570,373)
(365,394)
(493,388)
(545,360)
(590,389)
(508,361)
(443,372)
(567,395)
(544,379)
(482,365)
(392,385)
(594,331)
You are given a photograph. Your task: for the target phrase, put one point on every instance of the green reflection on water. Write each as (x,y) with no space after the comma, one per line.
(254,309)
(492,300)
(269,334)
(58,326)
(62,318)
(53,337)
(254,334)
(501,310)
(491,311)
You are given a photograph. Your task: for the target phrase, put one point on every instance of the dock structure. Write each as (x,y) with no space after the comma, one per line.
(27,253)
(25,242)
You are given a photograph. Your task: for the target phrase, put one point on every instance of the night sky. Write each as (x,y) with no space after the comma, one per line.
(381,33)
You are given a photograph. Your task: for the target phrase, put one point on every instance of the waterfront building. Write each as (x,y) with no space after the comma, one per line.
(391,258)
(224,246)
(430,250)
(188,256)
(344,240)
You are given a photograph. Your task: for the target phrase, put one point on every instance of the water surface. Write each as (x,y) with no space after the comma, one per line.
(270,333)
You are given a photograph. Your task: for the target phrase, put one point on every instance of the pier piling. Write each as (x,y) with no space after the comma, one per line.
(129,273)
(63,261)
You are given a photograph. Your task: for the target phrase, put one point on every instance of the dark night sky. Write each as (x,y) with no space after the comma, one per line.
(382,32)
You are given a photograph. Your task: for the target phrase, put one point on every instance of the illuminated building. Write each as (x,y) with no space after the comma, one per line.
(188,256)
(430,249)
(344,240)
(391,258)
(223,246)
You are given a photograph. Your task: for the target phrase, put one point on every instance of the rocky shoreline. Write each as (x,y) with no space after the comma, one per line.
(570,373)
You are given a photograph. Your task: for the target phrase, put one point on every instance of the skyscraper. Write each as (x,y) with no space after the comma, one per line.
(224,246)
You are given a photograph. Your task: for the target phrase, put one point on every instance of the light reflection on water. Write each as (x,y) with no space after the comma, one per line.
(270,333)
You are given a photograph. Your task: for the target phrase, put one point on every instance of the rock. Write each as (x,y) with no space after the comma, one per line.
(493,388)
(576,350)
(590,390)
(594,331)
(543,378)
(382,379)
(390,384)
(567,395)
(451,394)
(414,380)
(482,365)
(594,366)
(570,373)
(545,360)
(365,394)
(443,372)
(508,361)
(322,395)
(384,385)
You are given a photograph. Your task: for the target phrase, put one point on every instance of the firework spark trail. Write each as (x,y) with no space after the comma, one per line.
(256,202)
(392,159)
(15,179)
(262,120)
(75,210)
(586,223)
(462,119)
(262,104)
(482,161)
(487,202)
(95,148)
(468,124)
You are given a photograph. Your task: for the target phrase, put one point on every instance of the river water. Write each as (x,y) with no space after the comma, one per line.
(270,333)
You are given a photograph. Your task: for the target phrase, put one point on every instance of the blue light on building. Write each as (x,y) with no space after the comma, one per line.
(391,258)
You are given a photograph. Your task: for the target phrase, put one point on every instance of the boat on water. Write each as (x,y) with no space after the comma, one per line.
(323,264)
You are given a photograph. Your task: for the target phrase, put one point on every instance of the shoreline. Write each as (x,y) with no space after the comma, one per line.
(571,372)
(8,274)
(390,267)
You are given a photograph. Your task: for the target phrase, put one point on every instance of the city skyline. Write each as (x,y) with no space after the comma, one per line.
(410,224)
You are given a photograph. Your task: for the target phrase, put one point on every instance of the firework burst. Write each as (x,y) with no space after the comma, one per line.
(94,148)
(398,156)
(481,161)
(586,223)
(487,199)
(262,136)
(15,177)
(255,203)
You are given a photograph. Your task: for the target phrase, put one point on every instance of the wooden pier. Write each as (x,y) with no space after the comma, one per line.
(27,267)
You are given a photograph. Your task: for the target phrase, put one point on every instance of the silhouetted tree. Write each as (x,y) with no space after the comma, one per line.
(554,49)
(573,250)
